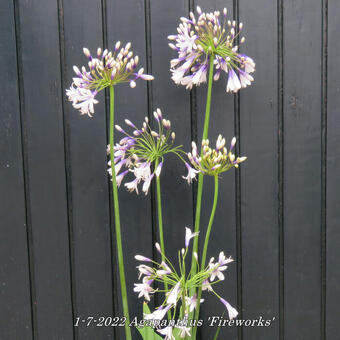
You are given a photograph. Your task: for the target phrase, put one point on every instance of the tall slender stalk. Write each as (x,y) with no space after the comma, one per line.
(160,221)
(159,211)
(200,176)
(205,249)
(117,223)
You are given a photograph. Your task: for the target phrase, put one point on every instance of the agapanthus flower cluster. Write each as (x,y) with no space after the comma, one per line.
(180,283)
(105,69)
(213,161)
(143,149)
(210,35)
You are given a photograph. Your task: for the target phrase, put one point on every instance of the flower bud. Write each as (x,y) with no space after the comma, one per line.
(241,159)
(142,258)
(158,247)
(86,52)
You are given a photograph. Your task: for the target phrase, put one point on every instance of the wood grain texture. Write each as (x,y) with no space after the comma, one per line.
(302,166)
(259,183)
(15,296)
(46,167)
(333,180)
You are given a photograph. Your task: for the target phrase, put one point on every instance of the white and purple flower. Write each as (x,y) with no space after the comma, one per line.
(105,69)
(209,37)
(219,267)
(142,152)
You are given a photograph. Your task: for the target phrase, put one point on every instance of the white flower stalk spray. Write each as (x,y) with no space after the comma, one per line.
(140,151)
(105,70)
(179,285)
(207,44)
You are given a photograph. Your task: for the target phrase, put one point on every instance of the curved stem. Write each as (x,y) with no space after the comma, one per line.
(200,176)
(205,249)
(117,222)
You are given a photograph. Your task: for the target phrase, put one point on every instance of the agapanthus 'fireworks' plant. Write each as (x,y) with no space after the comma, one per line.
(180,283)
(143,149)
(213,161)
(105,69)
(210,38)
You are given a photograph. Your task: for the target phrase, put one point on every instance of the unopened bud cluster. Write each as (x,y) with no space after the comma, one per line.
(215,160)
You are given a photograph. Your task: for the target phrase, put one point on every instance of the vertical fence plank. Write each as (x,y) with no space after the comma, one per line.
(302,211)
(223,235)
(86,139)
(259,182)
(131,104)
(174,101)
(333,179)
(15,312)
(43,125)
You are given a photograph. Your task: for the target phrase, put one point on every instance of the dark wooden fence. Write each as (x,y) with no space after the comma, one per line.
(278,216)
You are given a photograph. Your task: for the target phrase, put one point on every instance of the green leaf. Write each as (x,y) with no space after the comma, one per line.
(148,333)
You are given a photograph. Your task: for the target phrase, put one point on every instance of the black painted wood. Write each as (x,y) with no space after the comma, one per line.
(41,105)
(277,215)
(259,182)
(302,166)
(92,263)
(333,181)
(15,296)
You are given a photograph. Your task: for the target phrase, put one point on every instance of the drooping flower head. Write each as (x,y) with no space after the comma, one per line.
(213,161)
(210,35)
(141,149)
(104,69)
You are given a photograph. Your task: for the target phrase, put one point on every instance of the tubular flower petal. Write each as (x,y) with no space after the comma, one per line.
(232,312)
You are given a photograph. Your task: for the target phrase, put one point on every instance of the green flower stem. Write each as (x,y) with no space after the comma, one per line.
(117,222)
(200,176)
(205,249)
(160,222)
